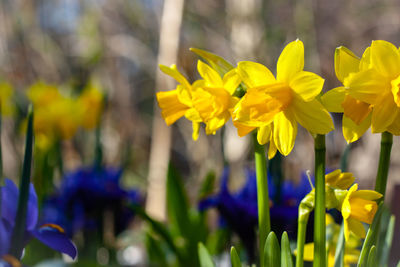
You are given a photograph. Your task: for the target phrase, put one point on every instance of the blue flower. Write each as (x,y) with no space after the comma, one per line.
(49,234)
(85,195)
(239,210)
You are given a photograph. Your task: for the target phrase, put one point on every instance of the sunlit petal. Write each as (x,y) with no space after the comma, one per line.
(312,116)
(367,85)
(291,61)
(352,131)
(384,113)
(209,74)
(264,134)
(345,62)
(306,85)
(171,108)
(231,81)
(254,74)
(385,58)
(285,131)
(333,99)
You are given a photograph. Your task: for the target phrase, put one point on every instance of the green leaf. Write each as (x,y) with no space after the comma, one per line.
(286,254)
(208,185)
(370,239)
(339,253)
(17,238)
(177,204)
(235,260)
(156,254)
(204,256)
(272,254)
(158,227)
(372,257)
(385,246)
(218,63)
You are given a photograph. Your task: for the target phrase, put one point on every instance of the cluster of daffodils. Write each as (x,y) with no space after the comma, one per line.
(356,206)
(370,93)
(58,116)
(271,105)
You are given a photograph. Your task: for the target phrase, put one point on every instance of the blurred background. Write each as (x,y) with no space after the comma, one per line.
(117,46)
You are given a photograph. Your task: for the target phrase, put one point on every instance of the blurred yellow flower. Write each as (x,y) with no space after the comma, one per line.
(356,113)
(351,251)
(6,93)
(358,206)
(91,103)
(212,97)
(284,101)
(177,103)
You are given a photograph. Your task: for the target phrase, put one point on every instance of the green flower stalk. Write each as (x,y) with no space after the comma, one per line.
(384,162)
(319,217)
(264,223)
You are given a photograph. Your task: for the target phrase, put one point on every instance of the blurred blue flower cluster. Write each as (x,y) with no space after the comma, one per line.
(51,235)
(85,195)
(239,210)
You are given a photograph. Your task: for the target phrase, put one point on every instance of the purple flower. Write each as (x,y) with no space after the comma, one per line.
(239,210)
(49,234)
(85,195)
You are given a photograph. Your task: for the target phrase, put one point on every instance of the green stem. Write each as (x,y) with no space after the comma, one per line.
(384,162)
(264,224)
(17,238)
(301,238)
(319,215)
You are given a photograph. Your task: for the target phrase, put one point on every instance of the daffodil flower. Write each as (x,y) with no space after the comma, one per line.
(212,97)
(356,114)
(284,101)
(339,179)
(177,103)
(377,84)
(351,251)
(91,103)
(358,206)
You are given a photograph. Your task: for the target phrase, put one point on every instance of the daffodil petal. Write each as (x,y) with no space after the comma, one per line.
(242,129)
(264,134)
(309,252)
(291,61)
(209,74)
(394,128)
(365,62)
(383,114)
(254,74)
(171,108)
(196,130)
(357,228)
(193,115)
(174,73)
(352,131)
(312,116)
(285,131)
(231,81)
(306,85)
(216,123)
(218,63)
(367,85)
(333,99)
(385,58)
(345,62)
(272,148)
(367,194)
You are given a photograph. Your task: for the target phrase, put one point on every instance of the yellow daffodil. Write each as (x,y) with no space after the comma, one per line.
(56,116)
(351,253)
(339,179)
(6,93)
(377,85)
(212,97)
(177,103)
(356,113)
(358,206)
(91,103)
(285,101)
